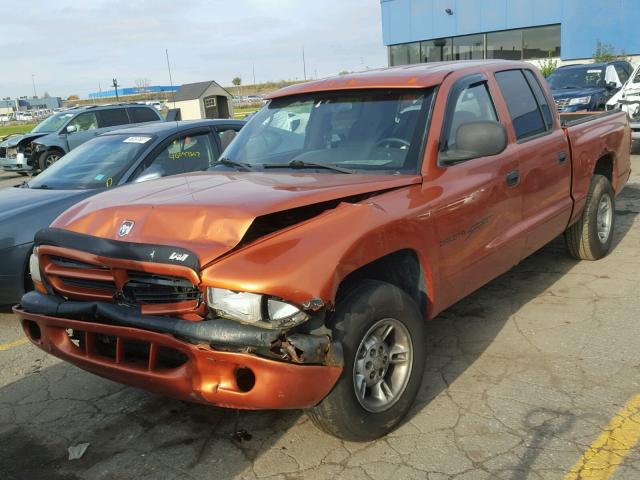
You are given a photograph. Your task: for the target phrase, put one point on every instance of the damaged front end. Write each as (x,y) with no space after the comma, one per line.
(151,325)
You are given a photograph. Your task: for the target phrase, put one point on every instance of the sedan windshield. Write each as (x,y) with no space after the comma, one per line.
(98,163)
(378,131)
(53,123)
(576,77)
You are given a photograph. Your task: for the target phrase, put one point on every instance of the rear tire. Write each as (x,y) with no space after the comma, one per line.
(382,334)
(590,238)
(48,158)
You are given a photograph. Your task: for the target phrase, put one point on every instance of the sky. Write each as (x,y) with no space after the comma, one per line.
(72,47)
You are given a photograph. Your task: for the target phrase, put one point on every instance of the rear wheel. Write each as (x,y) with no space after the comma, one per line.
(590,238)
(48,158)
(382,335)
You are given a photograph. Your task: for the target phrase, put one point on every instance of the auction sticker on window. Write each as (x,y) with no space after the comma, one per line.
(136,140)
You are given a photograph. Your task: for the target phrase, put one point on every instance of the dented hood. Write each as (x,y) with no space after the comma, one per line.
(209,213)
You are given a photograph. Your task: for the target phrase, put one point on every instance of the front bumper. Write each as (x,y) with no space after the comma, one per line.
(190,371)
(13,164)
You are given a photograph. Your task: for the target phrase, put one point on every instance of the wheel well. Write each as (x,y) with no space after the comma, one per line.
(401,268)
(604,167)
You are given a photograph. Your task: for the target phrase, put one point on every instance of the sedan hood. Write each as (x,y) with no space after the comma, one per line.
(24,211)
(576,92)
(209,213)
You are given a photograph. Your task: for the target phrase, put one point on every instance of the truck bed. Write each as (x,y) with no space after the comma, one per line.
(594,136)
(574,118)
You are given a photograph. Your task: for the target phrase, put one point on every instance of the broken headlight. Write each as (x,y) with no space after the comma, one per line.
(259,310)
(12,152)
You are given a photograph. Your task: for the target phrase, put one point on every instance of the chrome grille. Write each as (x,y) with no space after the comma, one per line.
(562,103)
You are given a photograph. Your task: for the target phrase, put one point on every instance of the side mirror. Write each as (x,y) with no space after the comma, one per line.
(611,86)
(152,173)
(476,139)
(72,128)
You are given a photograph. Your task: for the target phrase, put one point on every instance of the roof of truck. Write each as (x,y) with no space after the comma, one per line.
(409,76)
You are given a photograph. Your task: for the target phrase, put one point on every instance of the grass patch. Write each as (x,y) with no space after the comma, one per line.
(11,129)
(241,112)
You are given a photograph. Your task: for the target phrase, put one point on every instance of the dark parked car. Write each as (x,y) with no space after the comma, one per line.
(64,131)
(134,154)
(587,87)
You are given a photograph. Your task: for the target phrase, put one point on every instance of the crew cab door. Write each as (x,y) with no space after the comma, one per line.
(543,151)
(480,205)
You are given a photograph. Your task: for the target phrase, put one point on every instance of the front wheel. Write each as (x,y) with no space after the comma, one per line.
(590,238)
(48,158)
(382,335)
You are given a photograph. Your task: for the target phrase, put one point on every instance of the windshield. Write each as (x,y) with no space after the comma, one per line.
(576,77)
(53,123)
(98,163)
(368,131)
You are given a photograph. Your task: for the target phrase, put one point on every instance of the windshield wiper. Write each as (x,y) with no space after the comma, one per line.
(232,163)
(42,187)
(301,164)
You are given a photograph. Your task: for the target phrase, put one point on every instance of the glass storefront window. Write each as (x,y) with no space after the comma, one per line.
(398,55)
(404,54)
(468,47)
(539,41)
(506,45)
(437,50)
(522,44)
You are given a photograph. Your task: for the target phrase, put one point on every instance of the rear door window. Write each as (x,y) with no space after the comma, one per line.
(540,97)
(226,134)
(113,117)
(142,115)
(524,110)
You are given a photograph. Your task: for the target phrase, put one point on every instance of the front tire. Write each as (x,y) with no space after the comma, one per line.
(382,335)
(48,158)
(590,238)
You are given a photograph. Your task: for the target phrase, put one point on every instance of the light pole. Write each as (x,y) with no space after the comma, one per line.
(33,81)
(115,85)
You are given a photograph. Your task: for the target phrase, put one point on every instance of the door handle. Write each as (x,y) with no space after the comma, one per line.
(562,157)
(512,178)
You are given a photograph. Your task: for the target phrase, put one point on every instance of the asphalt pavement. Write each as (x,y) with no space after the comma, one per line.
(534,376)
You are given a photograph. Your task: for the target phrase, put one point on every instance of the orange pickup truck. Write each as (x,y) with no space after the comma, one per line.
(298,272)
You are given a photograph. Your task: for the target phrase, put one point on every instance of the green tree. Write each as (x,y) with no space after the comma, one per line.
(237,81)
(548,65)
(604,52)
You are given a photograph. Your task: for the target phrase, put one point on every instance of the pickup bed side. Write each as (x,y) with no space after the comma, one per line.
(600,143)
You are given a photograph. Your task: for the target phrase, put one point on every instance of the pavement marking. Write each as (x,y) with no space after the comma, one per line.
(604,455)
(16,343)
